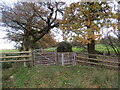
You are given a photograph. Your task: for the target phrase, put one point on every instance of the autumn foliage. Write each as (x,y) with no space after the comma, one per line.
(85,20)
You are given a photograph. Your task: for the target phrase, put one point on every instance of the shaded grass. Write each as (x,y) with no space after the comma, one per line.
(63,77)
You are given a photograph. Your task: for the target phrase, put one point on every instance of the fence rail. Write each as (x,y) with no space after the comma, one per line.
(98,60)
(106,61)
(97,64)
(20,56)
(24,52)
(98,55)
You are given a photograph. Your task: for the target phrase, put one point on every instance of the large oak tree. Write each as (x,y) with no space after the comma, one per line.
(85,19)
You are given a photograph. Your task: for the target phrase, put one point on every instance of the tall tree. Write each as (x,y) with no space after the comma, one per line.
(85,20)
(29,22)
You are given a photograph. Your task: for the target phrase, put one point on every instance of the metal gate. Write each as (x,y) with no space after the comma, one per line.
(50,58)
(43,58)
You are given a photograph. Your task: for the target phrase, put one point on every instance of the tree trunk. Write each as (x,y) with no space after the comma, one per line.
(91,50)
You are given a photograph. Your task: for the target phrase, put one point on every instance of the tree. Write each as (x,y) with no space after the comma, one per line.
(29,22)
(85,20)
(45,42)
(114,43)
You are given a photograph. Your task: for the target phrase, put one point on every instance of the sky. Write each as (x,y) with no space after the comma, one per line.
(5,44)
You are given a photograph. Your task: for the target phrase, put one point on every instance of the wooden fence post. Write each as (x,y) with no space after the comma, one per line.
(33,54)
(4,56)
(24,62)
(31,58)
(62,59)
(74,59)
(55,56)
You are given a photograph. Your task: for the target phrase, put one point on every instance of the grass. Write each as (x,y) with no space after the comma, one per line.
(102,48)
(99,47)
(62,77)
(9,50)
(76,49)
(49,49)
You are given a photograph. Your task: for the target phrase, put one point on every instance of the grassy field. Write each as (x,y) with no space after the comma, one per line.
(8,50)
(99,47)
(62,77)
(102,48)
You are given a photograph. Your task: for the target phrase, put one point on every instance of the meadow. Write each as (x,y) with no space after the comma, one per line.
(98,47)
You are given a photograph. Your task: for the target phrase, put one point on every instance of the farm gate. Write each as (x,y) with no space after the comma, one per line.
(51,58)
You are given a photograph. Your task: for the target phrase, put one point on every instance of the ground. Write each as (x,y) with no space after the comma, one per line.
(62,77)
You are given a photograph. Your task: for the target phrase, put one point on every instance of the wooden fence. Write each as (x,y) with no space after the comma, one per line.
(63,58)
(24,56)
(100,60)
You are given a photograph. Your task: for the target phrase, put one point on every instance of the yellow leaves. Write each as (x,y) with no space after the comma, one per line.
(87,23)
(85,38)
(81,40)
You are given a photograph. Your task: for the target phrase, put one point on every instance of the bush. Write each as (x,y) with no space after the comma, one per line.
(64,47)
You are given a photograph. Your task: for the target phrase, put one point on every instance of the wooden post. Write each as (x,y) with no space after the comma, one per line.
(4,56)
(55,57)
(62,59)
(25,64)
(74,59)
(33,57)
(103,56)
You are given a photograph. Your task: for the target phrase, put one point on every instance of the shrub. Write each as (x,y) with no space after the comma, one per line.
(64,47)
